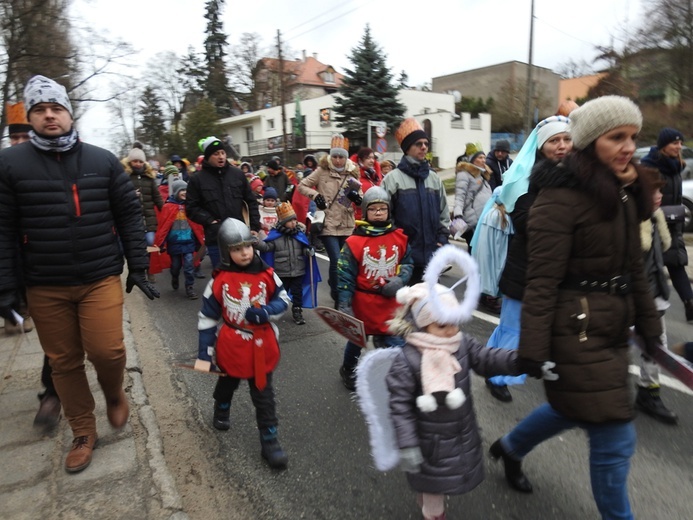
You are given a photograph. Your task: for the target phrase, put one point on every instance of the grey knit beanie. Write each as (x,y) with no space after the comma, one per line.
(598,116)
(177,187)
(41,89)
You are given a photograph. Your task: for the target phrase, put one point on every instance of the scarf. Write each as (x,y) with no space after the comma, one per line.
(438,362)
(62,143)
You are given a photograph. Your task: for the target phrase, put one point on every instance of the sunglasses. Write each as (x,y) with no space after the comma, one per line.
(421,144)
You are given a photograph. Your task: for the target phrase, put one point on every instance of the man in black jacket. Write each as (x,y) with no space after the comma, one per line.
(217,192)
(499,162)
(69,211)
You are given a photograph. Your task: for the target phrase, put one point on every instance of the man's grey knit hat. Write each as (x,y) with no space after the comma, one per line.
(41,89)
(598,116)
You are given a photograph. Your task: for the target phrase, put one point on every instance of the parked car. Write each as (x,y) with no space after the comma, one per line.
(686,175)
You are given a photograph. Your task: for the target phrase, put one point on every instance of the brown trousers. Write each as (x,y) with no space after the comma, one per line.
(74,321)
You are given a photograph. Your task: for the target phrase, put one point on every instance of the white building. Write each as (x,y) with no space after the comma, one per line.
(259,134)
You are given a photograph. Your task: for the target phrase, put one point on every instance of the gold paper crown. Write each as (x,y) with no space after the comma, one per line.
(285,212)
(408,126)
(16,115)
(339,141)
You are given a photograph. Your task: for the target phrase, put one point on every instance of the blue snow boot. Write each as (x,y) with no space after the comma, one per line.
(272,451)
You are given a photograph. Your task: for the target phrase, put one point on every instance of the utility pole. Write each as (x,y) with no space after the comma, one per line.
(530,84)
(282,99)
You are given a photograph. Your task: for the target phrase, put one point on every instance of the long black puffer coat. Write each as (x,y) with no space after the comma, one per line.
(449,439)
(71,214)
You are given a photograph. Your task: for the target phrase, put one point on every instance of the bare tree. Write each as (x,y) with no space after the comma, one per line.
(244,58)
(123,106)
(574,69)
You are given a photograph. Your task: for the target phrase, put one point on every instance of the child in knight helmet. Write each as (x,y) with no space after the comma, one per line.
(374,263)
(290,254)
(243,294)
(429,384)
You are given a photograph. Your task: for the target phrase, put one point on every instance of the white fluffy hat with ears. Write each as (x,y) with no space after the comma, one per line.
(430,302)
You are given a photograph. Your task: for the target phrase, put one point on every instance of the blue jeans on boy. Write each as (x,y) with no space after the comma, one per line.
(352,352)
(333,246)
(612,445)
(214,255)
(184,260)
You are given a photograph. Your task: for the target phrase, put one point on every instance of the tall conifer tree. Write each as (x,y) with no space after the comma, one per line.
(367,92)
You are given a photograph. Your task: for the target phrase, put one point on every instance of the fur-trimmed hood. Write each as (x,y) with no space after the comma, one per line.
(550,174)
(148,170)
(473,170)
(646,231)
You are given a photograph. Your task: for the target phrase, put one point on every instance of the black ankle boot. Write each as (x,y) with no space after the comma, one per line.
(688,304)
(222,413)
(648,401)
(297,313)
(348,376)
(513,469)
(500,392)
(272,451)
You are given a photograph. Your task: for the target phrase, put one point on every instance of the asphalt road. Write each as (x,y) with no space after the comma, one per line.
(331,475)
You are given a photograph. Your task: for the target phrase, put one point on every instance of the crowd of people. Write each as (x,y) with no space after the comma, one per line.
(571,287)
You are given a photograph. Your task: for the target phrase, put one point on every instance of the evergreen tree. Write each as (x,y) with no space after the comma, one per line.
(216,83)
(151,128)
(367,92)
(200,122)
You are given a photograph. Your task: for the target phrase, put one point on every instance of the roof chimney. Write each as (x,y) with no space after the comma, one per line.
(315,55)
(304,55)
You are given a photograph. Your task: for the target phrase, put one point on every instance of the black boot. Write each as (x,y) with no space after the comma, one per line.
(513,469)
(648,401)
(222,412)
(348,376)
(688,304)
(297,313)
(500,392)
(272,451)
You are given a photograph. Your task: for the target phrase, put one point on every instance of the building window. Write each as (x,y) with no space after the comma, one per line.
(328,77)
(249,135)
(270,124)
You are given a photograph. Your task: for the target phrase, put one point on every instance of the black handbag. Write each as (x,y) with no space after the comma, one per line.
(674,214)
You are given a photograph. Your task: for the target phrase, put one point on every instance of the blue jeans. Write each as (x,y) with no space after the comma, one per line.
(333,245)
(612,445)
(352,352)
(186,261)
(214,255)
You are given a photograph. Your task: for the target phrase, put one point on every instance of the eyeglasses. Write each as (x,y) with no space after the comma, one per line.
(377,210)
(421,144)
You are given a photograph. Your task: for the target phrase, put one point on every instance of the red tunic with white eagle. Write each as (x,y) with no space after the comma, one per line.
(243,349)
(378,258)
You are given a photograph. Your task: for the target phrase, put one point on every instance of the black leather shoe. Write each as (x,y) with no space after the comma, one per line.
(513,469)
(348,378)
(500,392)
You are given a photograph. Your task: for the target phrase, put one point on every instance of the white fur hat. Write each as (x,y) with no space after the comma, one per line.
(598,116)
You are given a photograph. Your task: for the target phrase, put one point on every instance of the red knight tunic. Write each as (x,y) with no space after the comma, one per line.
(245,350)
(378,258)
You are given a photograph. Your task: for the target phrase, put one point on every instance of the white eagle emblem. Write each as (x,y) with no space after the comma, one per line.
(382,266)
(235,307)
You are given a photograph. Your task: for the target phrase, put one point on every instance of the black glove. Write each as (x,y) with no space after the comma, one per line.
(651,345)
(320,201)
(8,300)
(354,197)
(394,284)
(139,279)
(538,369)
(345,308)
(257,315)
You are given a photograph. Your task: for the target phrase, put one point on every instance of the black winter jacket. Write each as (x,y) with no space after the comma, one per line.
(69,214)
(218,194)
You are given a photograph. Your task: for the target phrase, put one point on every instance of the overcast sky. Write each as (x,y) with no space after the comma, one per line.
(426,38)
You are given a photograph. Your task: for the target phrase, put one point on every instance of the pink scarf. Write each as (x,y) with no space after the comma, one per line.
(438,362)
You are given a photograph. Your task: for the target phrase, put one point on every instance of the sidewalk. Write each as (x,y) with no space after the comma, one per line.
(127,478)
